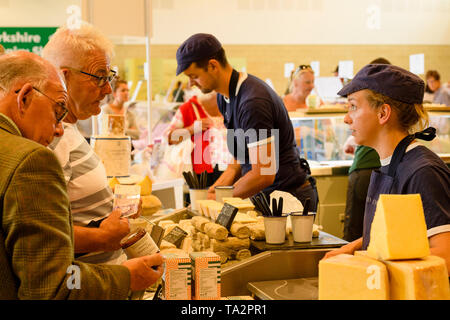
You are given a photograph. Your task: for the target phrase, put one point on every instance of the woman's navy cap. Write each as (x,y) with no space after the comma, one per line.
(197,47)
(392,81)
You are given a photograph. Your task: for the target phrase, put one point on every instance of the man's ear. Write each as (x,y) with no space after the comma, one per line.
(214,64)
(24,98)
(384,113)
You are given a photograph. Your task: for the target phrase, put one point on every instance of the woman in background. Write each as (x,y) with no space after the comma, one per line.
(300,87)
(117,106)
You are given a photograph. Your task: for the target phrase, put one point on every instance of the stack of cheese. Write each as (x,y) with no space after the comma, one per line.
(246,215)
(150,203)
(397,264)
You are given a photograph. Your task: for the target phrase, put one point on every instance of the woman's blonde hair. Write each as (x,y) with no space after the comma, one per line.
(297,73)
(411,117)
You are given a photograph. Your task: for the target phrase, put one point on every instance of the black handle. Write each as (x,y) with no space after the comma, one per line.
(306,207)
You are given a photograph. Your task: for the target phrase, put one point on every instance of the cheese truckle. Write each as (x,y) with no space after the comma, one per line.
(417,279)
(349,277)
(391,235)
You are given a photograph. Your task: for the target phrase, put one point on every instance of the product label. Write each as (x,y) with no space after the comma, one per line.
(145,246)
(207,283)
(178,285)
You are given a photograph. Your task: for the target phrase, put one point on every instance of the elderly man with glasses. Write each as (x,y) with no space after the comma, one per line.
(84,57)
(36,242)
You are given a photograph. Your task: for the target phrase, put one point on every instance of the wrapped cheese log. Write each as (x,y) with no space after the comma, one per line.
(242,254)
(223,256)
(186,245)
(240,231)
(205,240)
(199,223)
(257,231)
(231,243)
(216,231)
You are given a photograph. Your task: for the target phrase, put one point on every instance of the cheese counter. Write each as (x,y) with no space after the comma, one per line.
(252,260)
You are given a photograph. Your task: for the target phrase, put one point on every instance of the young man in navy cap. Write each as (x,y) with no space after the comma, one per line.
(385,105)
(259,136)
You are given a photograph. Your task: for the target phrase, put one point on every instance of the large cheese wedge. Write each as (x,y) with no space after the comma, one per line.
(398,229)
(146,186)
(348,277)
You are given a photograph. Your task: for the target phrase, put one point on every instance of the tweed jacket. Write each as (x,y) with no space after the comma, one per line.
(36,235)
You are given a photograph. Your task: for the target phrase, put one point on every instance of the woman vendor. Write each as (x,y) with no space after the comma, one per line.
(385,105)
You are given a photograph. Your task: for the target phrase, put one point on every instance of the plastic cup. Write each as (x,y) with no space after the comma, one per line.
(223,192)
(197,194)
(302,227)
(275,229)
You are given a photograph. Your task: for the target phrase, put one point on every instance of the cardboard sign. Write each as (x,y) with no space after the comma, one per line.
(157,234)
(176,236)
(226,215)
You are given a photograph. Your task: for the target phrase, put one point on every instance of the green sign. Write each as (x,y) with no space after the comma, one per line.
(30,39)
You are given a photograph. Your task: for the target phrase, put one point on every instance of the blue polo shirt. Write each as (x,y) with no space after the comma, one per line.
(255,115)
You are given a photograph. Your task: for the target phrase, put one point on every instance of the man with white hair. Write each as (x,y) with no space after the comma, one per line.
(36,235)
(84,56)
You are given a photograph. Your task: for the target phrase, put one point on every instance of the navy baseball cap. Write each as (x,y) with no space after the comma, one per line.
(197,47)
(392,81)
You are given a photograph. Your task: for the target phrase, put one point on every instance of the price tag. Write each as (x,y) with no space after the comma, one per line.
(226,215)
(157,234)
(176,236)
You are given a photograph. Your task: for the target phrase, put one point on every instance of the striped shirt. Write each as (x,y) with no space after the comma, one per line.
(90,196)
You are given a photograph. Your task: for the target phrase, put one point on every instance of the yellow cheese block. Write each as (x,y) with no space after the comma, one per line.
(348,277)
(398,229)
(242,205)
(214,209)
(244,218)
(420,279)
(146,186)
(417,279)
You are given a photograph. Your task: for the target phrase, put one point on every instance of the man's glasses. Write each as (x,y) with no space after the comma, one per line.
(60,110)
(101,80)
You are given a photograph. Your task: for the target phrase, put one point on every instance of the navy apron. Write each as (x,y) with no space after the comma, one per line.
(381,183)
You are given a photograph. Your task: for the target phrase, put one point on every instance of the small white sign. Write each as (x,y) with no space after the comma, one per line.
(417,63)
(346,69)
(270,83)
(315,65)
(288,68)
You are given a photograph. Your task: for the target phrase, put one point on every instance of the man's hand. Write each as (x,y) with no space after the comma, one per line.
(139,211)
(211,193)
(349,248)
(113,229)
(142,275)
